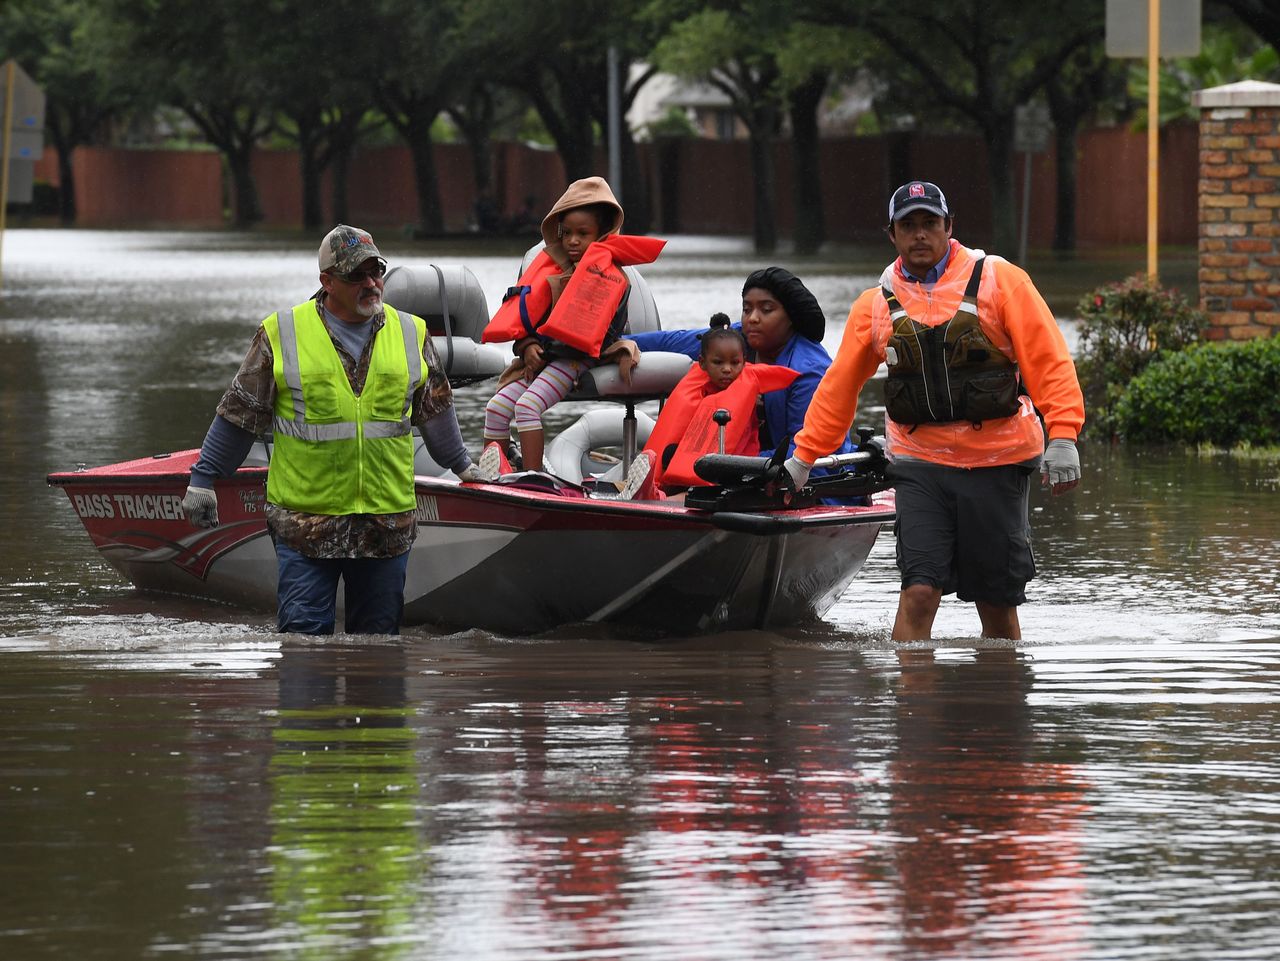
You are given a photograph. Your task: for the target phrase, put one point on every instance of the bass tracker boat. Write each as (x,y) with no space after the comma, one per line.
(517,556)
(531,551)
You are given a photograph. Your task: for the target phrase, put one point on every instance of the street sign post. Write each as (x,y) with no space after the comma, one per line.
(1154,29)
(22,141)
(1031,130)
(1128,28)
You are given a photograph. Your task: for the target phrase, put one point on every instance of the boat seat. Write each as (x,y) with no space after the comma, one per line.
(652,379)
(578,451)
(452,302)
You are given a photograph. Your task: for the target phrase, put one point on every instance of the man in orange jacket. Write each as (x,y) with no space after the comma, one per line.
(973,354)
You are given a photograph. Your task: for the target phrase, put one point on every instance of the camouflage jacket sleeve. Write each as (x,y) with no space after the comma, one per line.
(249,403)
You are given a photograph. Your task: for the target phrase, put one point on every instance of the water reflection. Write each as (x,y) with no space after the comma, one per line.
(730,797)
(345,848)
(989,833)
(178,780)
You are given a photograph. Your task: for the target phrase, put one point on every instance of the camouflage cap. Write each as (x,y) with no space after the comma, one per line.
(345,248)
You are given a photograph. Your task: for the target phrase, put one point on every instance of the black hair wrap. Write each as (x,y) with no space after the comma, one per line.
(801,306)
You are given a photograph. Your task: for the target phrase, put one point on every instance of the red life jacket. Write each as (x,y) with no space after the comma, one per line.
(586,307)
(687,419)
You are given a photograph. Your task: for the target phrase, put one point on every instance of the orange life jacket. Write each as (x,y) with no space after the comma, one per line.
(581,316)
(687,419)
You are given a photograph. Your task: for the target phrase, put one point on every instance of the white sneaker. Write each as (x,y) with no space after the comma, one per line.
(490,464)
(637,474)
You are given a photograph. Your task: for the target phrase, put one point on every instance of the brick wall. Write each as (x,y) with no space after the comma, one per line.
(155,188)
(696,185)
(1240,209)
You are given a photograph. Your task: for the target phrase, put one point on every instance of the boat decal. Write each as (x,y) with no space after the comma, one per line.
(194,553)
(149,507)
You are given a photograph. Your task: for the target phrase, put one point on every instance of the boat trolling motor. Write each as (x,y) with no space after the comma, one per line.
(742,483)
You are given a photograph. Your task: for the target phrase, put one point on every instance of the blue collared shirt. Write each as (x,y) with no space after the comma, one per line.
(934,272)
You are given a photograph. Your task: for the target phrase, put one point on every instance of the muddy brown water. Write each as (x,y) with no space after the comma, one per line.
(176,780)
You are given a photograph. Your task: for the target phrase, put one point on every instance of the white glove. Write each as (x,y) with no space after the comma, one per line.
(468,474)
(201,506)
(1061,467)
(796,473)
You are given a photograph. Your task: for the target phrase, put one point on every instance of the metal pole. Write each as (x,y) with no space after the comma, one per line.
(1026,207)
(1153,135)
(4,157)
(615,125)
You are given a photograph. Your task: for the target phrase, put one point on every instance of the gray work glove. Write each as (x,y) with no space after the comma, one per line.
(468,474)
(201,506)
(1061,467)
(795,473)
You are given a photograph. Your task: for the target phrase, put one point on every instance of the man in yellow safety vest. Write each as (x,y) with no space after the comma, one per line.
(340,380)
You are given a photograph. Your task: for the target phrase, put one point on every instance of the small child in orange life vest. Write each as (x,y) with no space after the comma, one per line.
(686,428)
(565,314)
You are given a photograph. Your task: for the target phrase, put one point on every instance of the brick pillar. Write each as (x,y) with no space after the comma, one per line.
(1240,209)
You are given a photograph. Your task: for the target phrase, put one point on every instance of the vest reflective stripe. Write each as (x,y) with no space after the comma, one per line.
(293,377)
(283,426)
(387,429)
(336,453)
(413,351)
(289,355)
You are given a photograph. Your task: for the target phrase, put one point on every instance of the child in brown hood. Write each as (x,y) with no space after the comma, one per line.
(564,320)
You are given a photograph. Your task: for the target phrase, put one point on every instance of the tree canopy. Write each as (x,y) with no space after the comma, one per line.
(245,72)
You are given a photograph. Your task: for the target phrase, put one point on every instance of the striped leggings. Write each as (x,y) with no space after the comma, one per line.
(525,402)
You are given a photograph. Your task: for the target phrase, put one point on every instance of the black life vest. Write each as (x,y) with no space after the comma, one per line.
(951,372)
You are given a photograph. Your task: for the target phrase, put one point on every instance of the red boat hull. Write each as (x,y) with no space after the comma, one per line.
(499,558)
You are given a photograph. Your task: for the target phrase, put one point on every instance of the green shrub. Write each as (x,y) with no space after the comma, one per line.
(1224,394)
(1123,327)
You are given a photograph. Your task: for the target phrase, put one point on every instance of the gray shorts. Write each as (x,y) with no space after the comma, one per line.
(964,531)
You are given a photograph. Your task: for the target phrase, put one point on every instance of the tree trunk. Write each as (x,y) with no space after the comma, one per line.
(475,121)
(62,134)
(571,130)
(65,147)
(310,169)
(1004,234)
(426,179)
(1065,109)
(1064,223)
(246,209)
(765,227)
(340,167)
(576,152)
(810,226)
(66,189)
(312,208)
(636,199)
(343,136)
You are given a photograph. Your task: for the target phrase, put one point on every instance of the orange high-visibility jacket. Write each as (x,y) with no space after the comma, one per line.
(1016,320)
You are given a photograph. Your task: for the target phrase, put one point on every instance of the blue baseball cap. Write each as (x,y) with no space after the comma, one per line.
(917,195)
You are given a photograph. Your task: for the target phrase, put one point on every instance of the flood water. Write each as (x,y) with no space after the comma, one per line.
(176,780)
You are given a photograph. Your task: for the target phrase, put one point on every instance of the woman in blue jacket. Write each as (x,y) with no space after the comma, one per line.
(783,324)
